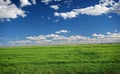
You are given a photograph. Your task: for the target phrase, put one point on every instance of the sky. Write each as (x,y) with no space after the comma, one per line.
(47,22)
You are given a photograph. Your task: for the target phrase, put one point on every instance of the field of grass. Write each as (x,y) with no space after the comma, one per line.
(64,59)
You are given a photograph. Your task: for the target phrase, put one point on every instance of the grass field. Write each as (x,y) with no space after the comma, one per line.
(64,59)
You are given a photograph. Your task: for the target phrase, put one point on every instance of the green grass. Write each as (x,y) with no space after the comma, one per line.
(64,59)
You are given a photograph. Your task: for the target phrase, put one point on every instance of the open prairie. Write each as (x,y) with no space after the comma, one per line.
(63,59)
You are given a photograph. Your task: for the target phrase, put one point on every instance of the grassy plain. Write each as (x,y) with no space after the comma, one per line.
(63,59)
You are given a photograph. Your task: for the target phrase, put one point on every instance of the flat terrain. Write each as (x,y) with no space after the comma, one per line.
(63,59)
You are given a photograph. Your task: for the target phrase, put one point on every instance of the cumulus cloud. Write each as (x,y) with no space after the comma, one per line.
(94,35)
(62,31)
(104,7)
(98,35)
(93,10)
(24,3)
(53,39)
(56,14)
(41,37)
(66,15)
(108,33)
(55,7)
(8,10)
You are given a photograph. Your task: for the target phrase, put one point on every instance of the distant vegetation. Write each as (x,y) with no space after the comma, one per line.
(64,59)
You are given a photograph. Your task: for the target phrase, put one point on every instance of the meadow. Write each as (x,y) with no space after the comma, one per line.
(62,59)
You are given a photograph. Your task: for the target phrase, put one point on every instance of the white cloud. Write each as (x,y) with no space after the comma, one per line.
(101,36)
(51,39)
(20,42)
(55,7)
(56,14)
(48,18)
(109,38)
(68,1)
(52,36)
(56,20)
(104,7)
(108,33)
(41,37)
(9,10)
(115,30)
(109,16)
(94,35)
(93,10)
(34,1)
(46,1)
(66,15)
(62,31)
(57,0)
(24,3)
(115,8)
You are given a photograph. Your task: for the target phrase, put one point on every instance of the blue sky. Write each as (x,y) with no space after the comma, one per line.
(26,21)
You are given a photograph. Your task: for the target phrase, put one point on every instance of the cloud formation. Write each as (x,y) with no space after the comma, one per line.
(71,14)
(24,3)
(8,10)
(62,31)
(55,7)
(46,1)
(54,39)
(104,7)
